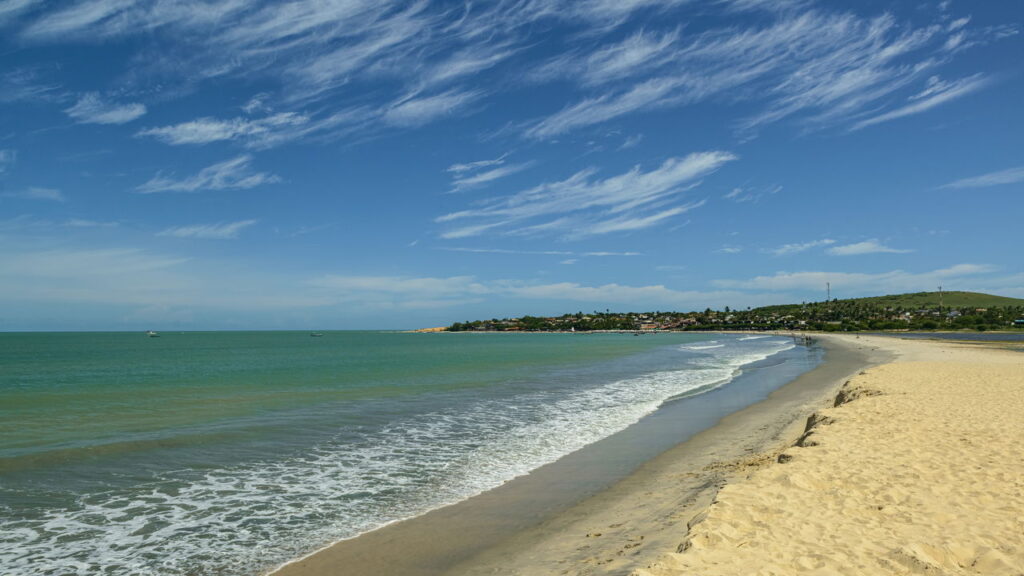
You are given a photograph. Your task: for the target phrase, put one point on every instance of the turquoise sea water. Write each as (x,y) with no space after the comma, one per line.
(232,452)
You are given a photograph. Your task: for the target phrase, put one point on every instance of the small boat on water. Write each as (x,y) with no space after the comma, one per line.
(152,334)
(316,334)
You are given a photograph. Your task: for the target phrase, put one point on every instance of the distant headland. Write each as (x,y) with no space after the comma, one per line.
(972,311)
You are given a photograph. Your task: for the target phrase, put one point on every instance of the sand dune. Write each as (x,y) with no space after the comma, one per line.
(920,471)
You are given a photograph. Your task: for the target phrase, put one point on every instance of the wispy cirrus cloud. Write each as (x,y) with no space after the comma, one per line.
(37,193)
(83,223)
(872,246)
(648,95)
(206,130)
(218,231)
(612,12)
(419,110)
(583,205)
(998,178)
(741,195)
(639,53)
(935,94)
(476,165)
(27,84)
(821,68)
(798,247)
(233,174)
(283,127)
(824,69)
(482,172)
(12,8)
(597,254)
(855,283)
(92,109)
(467,181)
(92,19)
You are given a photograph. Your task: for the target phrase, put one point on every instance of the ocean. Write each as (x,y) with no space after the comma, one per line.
(233,452)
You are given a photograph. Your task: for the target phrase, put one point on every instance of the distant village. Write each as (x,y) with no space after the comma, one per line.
(831,316)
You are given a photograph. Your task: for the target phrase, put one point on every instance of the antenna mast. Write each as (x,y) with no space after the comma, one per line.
(940,297)
(828,291)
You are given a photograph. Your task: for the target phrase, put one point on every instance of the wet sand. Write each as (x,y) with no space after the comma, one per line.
(557,521)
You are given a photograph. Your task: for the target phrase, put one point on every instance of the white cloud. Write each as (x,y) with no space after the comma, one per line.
(25,84)
(584,205)
(466,62)
(632,142)
(596,254)
(507,251)
(854,283)
(266,132)
(257,103)
(91,109)
(831,68)
(796,248)
(834,65)
(626,223)
(634,55)
(1008,176)
(465,181)
(232,174)
(729,249)
(11,8)
(613,254)
(94,19)
(469,166)
(36,193)
(218,231)
(872,246)
(417,111)
(637,54)
(654,93)
(74,19)
(206,130)
(83,223)
(935,94)
(613,12)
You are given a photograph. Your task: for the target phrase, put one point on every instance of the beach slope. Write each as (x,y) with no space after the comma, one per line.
(916,469)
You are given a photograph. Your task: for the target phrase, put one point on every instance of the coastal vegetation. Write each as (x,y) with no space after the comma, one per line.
(918,311)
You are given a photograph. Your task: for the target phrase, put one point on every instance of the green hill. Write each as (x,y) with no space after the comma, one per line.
(918,300)
(918,311)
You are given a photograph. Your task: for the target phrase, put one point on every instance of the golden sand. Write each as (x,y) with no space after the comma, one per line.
(921,471)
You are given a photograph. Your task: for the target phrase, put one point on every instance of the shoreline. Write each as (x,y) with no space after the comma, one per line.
(482,535)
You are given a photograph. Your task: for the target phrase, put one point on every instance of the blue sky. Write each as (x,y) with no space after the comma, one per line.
(367,164)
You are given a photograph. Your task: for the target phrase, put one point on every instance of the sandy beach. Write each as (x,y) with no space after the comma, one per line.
(916,469)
